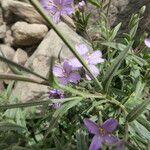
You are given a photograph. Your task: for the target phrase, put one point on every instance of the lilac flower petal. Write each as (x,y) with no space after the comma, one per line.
(95,58)
(67,10)
(74,62)
(56,93)
(58,7)
(94,70)
(120,145)
(47,4)
(58,71)
(57,2)
(68,2)
(91,126)
(67,67)
(56,17)
(147,42)
(63,80)
(74,77)
(81,49)
(53,9)
(88,77)
(110,125)
(110,139)
(96,143)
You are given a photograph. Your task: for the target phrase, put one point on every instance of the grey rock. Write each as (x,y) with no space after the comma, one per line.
(1,17)
(16,10)
(28,34)
(3,29)
(40,60)
(8,40)
(1,86)
(20,56)
(9,54)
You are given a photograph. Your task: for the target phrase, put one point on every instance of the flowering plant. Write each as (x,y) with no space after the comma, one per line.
(106,80)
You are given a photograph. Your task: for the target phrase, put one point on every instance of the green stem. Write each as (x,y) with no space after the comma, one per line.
(36,103)
(21,67)
(39,8)
(4,76)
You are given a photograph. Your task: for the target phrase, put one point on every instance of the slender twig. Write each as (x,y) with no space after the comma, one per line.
(36,103)
(6,76)
(21,67)
(39,8)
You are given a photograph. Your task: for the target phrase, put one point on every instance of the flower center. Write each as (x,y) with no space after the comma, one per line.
(102,131)
(65,74)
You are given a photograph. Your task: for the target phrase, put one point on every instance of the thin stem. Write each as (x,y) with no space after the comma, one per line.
(108,6)
(21,67)
(36,103)
(4,76)
(38,7)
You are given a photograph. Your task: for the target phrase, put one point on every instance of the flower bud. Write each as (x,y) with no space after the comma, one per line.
(81,6)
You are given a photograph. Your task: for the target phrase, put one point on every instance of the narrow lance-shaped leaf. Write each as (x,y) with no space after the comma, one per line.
(115,31)
(135,112)
(110,72)
(7,126)
(117,46)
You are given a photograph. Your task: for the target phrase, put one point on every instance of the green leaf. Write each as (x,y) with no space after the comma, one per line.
(81,140)
(93,2)
(117,46)
(7,126)
(115,31)
(110,72)
(135,112)
(60,112)
(140,130)
(144,122)
(58,144)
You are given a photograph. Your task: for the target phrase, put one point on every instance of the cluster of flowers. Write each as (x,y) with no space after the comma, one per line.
(68,70)
(60,7)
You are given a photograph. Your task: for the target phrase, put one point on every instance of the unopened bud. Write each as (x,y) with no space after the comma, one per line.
(81,6)
(142,10)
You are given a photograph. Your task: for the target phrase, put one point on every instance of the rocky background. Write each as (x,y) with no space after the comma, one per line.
(26,39)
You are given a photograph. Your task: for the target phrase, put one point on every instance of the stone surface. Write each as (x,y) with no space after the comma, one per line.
(16,10)
(28,34)
(20,56)
(3,29)
(1,17)
(9,53)
(8,40)
(40,60)
(1,86)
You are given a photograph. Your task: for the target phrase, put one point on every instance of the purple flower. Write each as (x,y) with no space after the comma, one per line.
(91,59)
(102,133)
(58,7)
(81,5)
(57,94)
(65,73)
(147,42)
